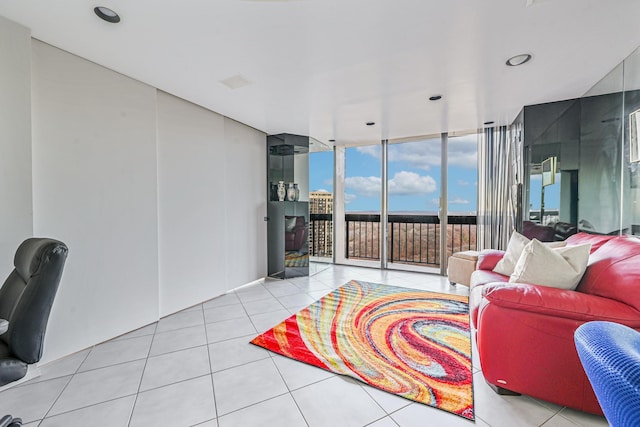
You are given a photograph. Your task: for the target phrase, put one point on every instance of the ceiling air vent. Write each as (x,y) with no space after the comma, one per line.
(235,82)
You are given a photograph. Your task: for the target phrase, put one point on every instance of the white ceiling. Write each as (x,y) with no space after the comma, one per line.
(325,67)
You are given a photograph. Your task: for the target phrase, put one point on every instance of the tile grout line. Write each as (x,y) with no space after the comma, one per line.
(288,390)
(144,368)
(71,377)
(213,386)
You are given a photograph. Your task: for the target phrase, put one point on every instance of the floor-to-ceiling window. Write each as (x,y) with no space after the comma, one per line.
(462,193)
(418,237)
(321,205)
(414,182)
(321,199)
(361,195)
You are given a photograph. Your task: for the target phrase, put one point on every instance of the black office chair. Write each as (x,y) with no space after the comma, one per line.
(9,421)
(26,298)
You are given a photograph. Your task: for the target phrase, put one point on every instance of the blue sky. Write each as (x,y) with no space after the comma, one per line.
(414,175)
(551,193)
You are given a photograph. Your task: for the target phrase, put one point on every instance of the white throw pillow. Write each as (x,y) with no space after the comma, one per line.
(516,245)
(290,224)
(555,267)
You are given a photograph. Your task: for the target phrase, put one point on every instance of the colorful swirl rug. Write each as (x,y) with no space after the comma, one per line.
(412,343)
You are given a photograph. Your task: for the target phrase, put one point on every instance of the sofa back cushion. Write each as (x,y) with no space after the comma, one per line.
(614,271)
(596,240)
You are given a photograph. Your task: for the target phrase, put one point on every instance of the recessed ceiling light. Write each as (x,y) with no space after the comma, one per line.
(489,123)
(371,123)
(514,61)
(435,98)
(107,14)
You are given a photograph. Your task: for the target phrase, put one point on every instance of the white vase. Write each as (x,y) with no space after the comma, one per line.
(291,192)
(282,191)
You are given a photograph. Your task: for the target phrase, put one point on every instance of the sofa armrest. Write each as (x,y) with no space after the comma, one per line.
(488,258)
(561,303)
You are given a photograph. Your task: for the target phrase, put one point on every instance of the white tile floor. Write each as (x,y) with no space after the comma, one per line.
(197,367)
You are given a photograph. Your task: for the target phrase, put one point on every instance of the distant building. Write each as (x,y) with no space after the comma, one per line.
(321,202)
(321,230)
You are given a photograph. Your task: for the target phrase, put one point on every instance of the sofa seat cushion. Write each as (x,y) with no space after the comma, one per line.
(482,277)
(559,303)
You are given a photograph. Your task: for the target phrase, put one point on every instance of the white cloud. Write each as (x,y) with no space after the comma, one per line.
(463,183)
(459,201)
(406,183)
(463,151)
(366,186)
(348,198)
(454,201)
(372,150)
(321,190)
(421,155)
(403,183)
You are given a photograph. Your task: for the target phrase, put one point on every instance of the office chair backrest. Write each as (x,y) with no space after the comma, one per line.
(27,295)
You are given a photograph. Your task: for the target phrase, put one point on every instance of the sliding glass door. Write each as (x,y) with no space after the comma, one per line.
(420,226)
(414,178)
(362,199)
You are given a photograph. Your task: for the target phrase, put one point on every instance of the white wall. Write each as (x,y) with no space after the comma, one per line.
(161,202)
(245,203)
(16,218)
(191,209)
(95,188)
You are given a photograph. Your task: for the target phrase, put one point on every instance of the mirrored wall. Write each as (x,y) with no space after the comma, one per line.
(582,156)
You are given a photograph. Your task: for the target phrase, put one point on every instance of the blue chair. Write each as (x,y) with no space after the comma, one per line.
(610,355)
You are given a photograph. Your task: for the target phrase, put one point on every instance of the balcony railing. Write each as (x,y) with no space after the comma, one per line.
(413,239)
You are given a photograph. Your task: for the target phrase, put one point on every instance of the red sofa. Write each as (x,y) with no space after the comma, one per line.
(295,238)
(524,333)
